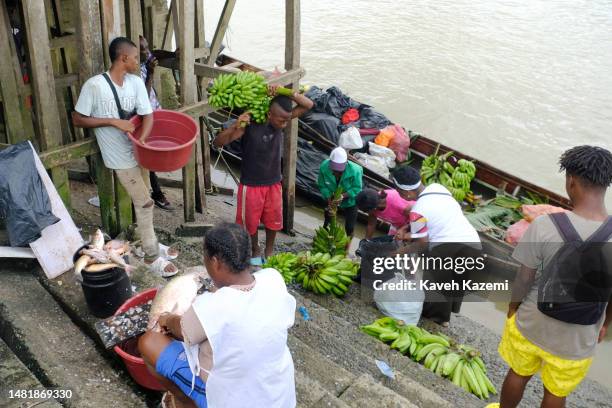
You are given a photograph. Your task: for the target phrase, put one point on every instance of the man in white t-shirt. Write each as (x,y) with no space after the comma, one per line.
(439,228)
(97,109)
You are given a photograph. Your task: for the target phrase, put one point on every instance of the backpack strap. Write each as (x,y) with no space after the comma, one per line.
(603,233)
(565,227)
(119,108)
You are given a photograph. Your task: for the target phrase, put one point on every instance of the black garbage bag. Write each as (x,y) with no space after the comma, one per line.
(323,123)
(332,101)
(371,119)
(24,202)
(369,249)
(307,170)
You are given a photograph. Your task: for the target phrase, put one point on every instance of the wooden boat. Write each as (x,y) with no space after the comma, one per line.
(489,181)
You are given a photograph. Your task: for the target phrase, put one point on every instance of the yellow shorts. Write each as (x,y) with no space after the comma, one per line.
(559,375)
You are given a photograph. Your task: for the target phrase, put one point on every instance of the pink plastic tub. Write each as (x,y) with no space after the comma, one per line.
(170,144)
(128,351)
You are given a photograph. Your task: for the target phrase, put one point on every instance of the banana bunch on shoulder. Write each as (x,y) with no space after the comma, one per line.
(285,263)
(459,363)
(457,179)
(244,90)
(323,274)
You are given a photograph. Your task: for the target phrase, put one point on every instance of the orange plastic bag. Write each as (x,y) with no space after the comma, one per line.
(385,136)
(531,212)
(516,231)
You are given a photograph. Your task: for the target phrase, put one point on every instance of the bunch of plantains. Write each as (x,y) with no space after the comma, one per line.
(332,239)
(457,179)
(459,363)
(245,90)
(323,273)
(285,263)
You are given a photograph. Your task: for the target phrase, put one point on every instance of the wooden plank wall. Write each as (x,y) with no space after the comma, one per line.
(43,84)
(292,61)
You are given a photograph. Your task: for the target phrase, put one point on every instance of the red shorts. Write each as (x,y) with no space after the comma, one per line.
(260,204)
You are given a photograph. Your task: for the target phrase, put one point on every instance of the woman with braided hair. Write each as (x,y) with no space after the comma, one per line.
(242,323)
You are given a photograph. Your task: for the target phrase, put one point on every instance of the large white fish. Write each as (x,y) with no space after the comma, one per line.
(176,297)
(97,241)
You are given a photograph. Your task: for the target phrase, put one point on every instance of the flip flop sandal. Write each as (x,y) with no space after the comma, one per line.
(163,252)
(257,261)
(158,267)
(167,400)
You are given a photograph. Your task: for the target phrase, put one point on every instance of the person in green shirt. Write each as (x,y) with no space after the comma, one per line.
(338,171)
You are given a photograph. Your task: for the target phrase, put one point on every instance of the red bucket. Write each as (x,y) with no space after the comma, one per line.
(128,351)
(170,144)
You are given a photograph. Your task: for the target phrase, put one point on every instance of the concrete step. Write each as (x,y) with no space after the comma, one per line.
(54,349)
(367,392)
(311,394)
(312,363)
(356,352)
(14,375)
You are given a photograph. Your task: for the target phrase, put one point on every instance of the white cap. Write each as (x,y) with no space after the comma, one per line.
(338,155)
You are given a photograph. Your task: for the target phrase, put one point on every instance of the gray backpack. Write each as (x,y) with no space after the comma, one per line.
(577,283)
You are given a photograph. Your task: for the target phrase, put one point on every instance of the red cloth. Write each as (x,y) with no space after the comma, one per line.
(260,204)
(351,115)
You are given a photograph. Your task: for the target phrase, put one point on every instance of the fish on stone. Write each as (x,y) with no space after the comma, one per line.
(176,296)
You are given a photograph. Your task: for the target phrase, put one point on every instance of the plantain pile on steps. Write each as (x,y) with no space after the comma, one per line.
(332,239)
(457,179)
(459,363)
(285,263)
(323,274)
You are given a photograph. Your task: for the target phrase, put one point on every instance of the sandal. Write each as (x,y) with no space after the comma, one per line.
(163,252)
(163,203)
(159,266)
(167,400)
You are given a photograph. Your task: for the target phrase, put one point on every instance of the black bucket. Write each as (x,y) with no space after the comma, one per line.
(105,291)
(375,248)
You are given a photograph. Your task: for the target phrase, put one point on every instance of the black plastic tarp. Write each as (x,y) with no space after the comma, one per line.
(334,102)
(325,124)
(24,202)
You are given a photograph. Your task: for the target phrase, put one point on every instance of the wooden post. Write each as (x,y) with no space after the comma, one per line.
(149,25)
(292,61)
(111,23)
(186,11)
(169,27)
(133,19)
(13,102)
(204,157)
(87,20)
(176,19)
(215,46)
(43,85)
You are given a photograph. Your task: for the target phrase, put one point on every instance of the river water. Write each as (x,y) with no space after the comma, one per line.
(511,82)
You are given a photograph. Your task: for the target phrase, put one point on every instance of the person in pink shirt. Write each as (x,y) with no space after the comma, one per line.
(387,205)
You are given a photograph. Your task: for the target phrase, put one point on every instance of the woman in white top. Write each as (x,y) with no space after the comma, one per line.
(230,348)
(439,229)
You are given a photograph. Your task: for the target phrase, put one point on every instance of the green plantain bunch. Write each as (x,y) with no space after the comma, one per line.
(459,363)
(322,273)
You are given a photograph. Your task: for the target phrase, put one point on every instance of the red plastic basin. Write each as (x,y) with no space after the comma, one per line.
(170,144)
(128,351)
